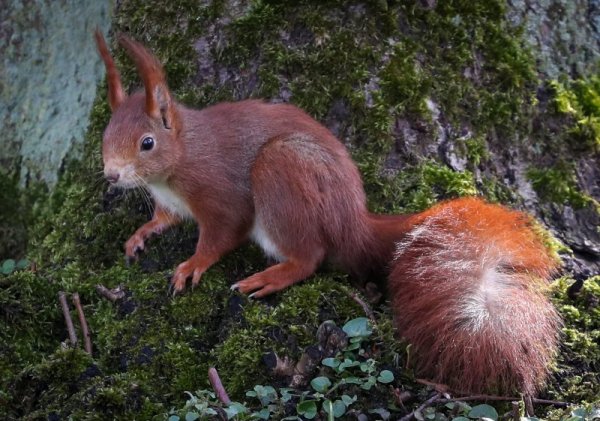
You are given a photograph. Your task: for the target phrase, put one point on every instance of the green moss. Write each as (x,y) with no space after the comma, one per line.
(19,209)
(580,100)
(579,368)
(415,189)
(559,185)
(285,328)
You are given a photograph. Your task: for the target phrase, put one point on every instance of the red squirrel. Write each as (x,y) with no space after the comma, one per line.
(465,277)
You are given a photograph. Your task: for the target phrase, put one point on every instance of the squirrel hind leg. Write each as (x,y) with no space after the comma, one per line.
(276,277)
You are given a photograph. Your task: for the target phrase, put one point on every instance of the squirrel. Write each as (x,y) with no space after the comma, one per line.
(466,278)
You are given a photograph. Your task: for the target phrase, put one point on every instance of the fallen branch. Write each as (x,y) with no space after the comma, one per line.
(67,314)
(440,387)
(435,398)
(215,381)
(112,295)
(480,398)
(551,402)
(87,340)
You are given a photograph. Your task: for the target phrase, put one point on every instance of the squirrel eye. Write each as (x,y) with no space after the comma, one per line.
(147,143)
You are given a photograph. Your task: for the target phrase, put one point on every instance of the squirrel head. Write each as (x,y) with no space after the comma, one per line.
(141,143)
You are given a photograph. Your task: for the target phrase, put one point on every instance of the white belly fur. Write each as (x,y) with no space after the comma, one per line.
(260,236)
(169,200)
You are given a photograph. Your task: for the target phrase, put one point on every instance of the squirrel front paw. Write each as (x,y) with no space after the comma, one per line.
(133,246)
(191,267)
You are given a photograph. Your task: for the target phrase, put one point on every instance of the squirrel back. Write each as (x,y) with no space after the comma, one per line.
(468,289)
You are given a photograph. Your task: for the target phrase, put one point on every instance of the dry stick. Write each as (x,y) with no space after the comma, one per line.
(504,398)
(528,405)
(551,402)
(516,412)
(428,402)
(67,314)
(108,294)
(215,381)
(364,306)
(87,340)
(480,398)
(444,388)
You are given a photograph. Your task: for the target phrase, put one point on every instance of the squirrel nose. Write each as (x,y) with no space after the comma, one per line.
(112,177)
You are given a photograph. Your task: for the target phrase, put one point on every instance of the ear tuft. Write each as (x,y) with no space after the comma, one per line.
(116,94)
(158,97)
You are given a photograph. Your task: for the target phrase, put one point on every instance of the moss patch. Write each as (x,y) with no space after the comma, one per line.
(578,375)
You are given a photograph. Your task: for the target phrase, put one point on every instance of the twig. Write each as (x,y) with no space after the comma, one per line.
(364,306)
(480,398)
(516,411)
(439,387)
(67,314)
(112,295)
(215,381)
(87,340)
(434,398)
(528,406)
(401,397)
(551,402)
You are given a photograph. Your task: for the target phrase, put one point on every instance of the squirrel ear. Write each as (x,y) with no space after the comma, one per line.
(158,98)
(116,95)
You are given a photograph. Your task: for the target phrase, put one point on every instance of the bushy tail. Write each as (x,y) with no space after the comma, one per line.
(468,286)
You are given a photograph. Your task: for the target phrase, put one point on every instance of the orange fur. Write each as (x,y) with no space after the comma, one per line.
(468,288)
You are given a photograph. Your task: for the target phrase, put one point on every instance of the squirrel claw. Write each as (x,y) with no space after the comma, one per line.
(235,287)
(130,260)
(184,271)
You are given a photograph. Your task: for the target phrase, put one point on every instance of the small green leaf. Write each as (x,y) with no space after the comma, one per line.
(383,413)
(328,408)
(8,266)
(460,419)
(266,394)
(234,409)
(308,409)
(320,384)
(386,376)
(173,418)
(264,414)
(483,411)
(369,383)
(353,380)
(347,363)
(285,394)
(23,264)
(348,400)
(192,416)
(357,327)
(331,362)
(339,408)
(353,347)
